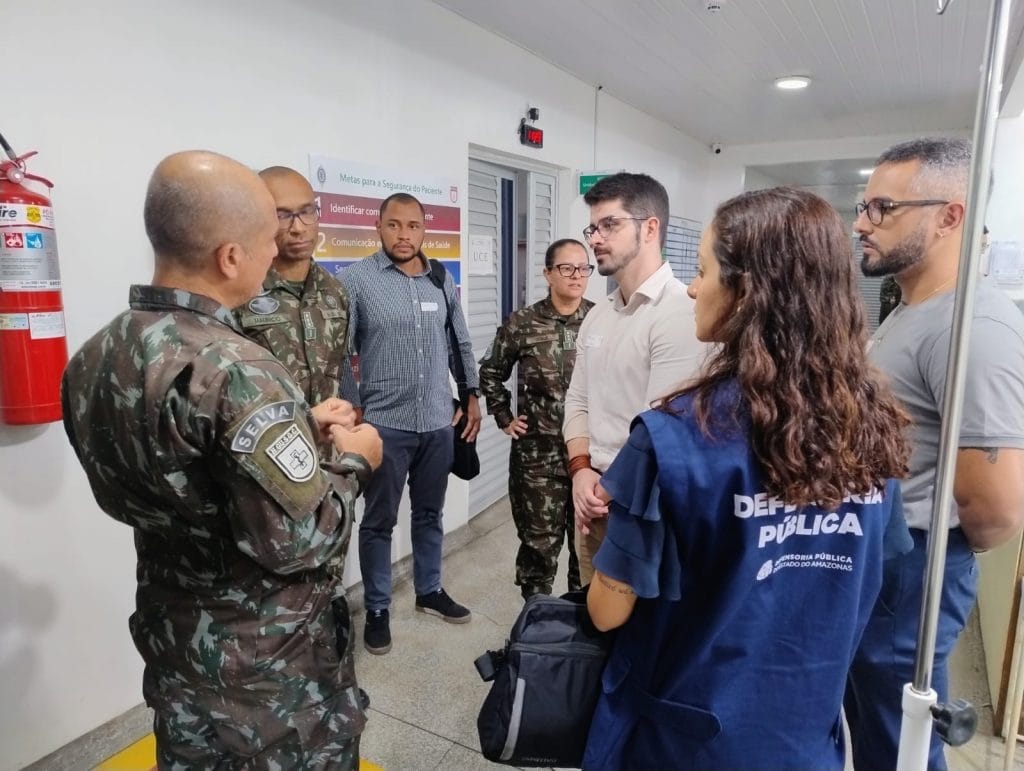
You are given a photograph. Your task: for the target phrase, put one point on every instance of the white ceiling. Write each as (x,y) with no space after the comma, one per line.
(878,66)
(839,182)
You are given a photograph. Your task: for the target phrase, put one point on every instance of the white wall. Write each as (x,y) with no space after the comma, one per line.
(104,90)
(726,172)
(728,175)
(1005,216)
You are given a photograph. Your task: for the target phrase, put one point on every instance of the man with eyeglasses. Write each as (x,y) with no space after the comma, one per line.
(911,226)
(301,316)
(541,340)
(636,345)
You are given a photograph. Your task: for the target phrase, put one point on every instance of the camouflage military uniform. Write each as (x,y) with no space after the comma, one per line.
(543,343)
(199,439)
(307,331)
(889,296)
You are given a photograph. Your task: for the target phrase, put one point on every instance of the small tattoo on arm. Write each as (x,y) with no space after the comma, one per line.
(617,588)
(991,453)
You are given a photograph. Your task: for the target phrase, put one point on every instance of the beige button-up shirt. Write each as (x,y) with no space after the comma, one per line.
(627,356)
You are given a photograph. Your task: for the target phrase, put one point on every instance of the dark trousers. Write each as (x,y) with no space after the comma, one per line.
(884,662)
(425,460)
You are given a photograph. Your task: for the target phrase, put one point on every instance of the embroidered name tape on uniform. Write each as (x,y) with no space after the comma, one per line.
(293,455)
(263,321)
(259,421)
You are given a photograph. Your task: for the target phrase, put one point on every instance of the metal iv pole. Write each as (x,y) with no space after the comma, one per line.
(955,722)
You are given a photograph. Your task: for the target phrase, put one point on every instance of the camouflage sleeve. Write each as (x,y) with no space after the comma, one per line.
(283,510)
(495,368)
(349,463)
(65,406)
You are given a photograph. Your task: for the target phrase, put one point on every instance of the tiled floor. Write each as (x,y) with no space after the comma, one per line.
(425,693)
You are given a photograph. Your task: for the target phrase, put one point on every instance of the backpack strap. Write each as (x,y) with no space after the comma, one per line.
(437,273)
(437,278)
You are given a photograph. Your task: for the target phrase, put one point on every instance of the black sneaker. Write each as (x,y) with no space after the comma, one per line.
(377,632)
(440,604)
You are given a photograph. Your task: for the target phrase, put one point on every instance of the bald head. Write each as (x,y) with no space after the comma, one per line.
(198,200)
(273,174)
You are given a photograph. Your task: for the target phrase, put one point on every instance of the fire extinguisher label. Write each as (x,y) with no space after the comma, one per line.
(13,322)
(28,258)
(26,214)
(43,326)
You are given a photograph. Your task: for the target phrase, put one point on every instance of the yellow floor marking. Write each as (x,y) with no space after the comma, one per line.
(141,756)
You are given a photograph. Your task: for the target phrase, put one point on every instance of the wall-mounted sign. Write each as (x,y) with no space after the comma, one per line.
(481,255)
(349,193)
(590,178)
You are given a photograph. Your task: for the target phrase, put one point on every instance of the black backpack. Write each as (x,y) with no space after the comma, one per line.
(546,683)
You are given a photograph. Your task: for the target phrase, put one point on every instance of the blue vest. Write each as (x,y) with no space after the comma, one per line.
(740,661)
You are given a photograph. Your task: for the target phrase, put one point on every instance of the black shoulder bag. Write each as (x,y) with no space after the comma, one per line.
(465,462)
(545,684)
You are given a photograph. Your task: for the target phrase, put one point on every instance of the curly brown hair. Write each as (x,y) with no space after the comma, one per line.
(823,424)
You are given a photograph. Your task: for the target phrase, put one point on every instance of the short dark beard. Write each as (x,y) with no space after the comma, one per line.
(402,260)
(905,254)
(607,270)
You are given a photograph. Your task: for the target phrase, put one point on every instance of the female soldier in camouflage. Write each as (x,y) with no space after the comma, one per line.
(541,339)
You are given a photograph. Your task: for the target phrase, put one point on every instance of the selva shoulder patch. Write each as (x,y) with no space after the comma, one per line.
(258,421)
(293,455)
(275,446)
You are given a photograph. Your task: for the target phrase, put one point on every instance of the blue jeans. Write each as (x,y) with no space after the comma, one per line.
(884,662)
(426,459)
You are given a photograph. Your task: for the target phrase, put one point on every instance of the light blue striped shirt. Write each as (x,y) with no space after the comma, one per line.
(396,325)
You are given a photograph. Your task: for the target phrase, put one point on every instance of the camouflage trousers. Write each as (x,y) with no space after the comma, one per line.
(268,724)
(541,497)
(186,742)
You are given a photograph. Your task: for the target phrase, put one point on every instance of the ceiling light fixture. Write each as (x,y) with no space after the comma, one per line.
(792,82)
(866,172)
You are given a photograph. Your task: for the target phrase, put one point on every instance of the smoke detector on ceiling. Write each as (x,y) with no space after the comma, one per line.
(714,6)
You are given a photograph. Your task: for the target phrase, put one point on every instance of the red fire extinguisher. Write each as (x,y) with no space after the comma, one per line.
(33,345)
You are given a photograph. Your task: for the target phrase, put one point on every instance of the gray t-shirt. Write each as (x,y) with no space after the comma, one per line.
(912,348)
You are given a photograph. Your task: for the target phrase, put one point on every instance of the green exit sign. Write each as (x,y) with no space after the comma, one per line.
(590,178)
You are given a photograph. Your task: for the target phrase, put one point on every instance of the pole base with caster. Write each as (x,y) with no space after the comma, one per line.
(955,723)
(916,728)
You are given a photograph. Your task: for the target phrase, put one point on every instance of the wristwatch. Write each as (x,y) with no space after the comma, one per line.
(472,392)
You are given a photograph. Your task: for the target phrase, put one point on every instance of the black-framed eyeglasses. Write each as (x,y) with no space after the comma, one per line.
(877,208)
(565,270)
(607,226)
(307,215)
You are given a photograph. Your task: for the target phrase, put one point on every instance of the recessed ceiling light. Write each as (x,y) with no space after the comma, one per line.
(866,172)
(792,82)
